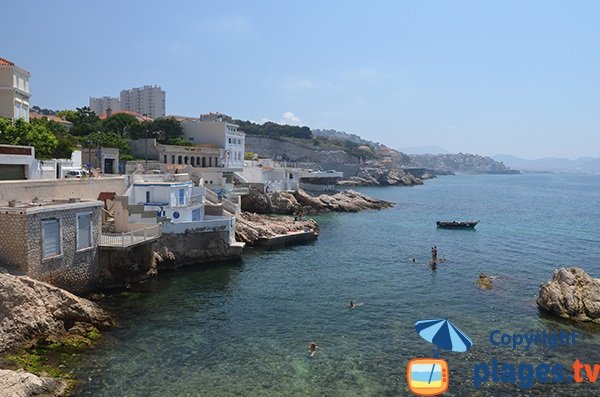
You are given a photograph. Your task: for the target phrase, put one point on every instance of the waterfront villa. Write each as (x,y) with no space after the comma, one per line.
(193,228)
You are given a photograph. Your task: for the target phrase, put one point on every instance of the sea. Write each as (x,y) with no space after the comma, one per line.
(242,328)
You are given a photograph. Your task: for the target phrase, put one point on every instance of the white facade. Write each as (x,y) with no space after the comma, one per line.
(179,202)
(272,175)
(14,91)
(101,105)
(222,134)
(149,100)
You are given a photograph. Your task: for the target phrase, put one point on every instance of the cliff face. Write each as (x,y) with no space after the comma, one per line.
(32,310)
(461,163)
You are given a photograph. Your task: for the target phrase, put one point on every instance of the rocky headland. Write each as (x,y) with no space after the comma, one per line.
(571,293)
(381,176)
(290,203)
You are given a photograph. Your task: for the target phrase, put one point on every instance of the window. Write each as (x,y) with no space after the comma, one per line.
(229,140)
(51,237)
(84,230)
(181,196)
(147,197)
(196,215)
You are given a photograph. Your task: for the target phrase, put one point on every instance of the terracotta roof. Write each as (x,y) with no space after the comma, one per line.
(36,115)
(138,116)
(6,62)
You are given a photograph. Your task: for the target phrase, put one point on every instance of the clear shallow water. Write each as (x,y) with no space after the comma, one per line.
(243,329)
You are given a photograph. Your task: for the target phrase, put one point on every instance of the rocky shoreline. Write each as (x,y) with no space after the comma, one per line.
(291,203)
(378,176)
(35,313)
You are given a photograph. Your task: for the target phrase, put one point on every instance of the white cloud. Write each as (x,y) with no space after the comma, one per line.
(290,118)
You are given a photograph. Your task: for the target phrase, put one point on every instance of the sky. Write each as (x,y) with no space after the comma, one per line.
(486,77)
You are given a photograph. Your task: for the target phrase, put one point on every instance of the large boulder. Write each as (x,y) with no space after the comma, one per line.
(571,293)
(249,227)
(24,384)
(32,310)
(257,201)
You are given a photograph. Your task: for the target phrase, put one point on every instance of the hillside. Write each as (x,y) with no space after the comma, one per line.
(350,153)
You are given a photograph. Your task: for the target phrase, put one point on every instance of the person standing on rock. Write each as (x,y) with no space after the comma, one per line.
(434,254)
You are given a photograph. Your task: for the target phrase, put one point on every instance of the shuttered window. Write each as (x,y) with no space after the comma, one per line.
(84,230)
(51,237)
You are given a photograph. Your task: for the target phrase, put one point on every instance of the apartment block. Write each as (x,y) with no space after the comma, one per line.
(101,105)
(149,100)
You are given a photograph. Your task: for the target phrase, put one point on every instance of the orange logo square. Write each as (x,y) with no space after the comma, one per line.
(427,376)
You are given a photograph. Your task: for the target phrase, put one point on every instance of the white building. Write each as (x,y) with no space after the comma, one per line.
(273,175)
(221,134)
(149,100)
(19,162)
(177,204)
(173,201)
(101,105)
(14,91)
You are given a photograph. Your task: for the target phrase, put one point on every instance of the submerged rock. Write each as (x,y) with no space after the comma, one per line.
(571,293)
(484,281)
(32,310)
(25,384)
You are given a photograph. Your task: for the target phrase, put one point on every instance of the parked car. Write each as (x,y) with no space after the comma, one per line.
(78,174)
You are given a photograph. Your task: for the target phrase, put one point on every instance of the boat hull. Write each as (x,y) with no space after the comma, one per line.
(456,224)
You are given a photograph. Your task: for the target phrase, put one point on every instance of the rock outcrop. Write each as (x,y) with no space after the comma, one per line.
(250,227)
(24,384)
(484,281)
(31,310)
(380,176)
(287,203)
(571,293)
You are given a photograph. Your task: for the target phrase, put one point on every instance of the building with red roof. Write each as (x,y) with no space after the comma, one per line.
(14,91)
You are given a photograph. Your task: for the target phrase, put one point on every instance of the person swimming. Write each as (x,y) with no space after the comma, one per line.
(353,305)
(312,348)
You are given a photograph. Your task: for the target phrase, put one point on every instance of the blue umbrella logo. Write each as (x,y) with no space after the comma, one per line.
(444,335)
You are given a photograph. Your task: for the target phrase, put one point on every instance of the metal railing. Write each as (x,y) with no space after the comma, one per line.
(133,237)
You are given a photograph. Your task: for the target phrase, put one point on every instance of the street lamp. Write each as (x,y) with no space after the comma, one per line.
(146,140)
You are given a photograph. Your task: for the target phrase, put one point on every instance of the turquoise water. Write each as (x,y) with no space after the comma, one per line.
(243,328)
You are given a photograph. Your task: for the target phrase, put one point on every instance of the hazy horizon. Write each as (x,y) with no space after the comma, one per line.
(480,77)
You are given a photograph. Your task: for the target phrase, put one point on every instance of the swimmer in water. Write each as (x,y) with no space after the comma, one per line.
(312,348)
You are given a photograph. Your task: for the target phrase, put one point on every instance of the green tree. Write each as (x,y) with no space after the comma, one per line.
(106,139)
(43,140)
(20,132)
(120,123)
(166,128)
(84,120)
(66,142)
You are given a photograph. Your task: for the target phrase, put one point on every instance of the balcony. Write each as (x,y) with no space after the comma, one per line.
(129,239)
